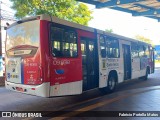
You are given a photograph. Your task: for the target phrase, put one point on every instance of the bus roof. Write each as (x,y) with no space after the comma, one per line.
(86,28)
(74,25)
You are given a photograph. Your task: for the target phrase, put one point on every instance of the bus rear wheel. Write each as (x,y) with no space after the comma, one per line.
(111,85)
(146,76)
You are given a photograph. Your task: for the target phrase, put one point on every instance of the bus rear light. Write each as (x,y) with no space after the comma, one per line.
(40,72)
(33,88)
(41,79)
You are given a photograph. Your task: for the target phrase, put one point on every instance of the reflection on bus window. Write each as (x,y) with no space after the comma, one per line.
(102,46)
(112,48)
(23,34)
(134,50)
(141,51)
(83,50)
(64,42)
(146,51)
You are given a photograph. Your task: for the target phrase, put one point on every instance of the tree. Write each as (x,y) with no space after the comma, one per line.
(144,39)
(70,10)
(109,30)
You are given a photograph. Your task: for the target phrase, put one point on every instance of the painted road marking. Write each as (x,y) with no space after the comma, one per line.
(69,106)
(99,104)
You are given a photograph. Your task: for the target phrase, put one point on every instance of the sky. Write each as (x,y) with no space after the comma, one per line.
(6,11)
(120,22)
(125,24)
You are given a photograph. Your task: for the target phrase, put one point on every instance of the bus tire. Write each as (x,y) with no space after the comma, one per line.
(112,82)
(111,85)
(146,76)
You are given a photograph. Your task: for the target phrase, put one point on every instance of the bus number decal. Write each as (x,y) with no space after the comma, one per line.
(31,64)
(61,62)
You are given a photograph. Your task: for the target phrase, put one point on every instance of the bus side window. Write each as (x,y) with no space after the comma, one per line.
(103,53)
(102,46)
(115,53)
(56,52)
(66,52)
(64,42)
(141,51)
(112,48)
(134,50)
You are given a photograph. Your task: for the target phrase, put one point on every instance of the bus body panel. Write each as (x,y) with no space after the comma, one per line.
(89,59)
(45,50)
(135,67)
(14,70)
(34,69)
(38,90)
(66,78)
(103,76)
(31,70)
(70,88)
(66,74)
(151,60)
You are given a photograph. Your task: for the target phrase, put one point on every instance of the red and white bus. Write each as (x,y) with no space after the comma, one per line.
(47,56)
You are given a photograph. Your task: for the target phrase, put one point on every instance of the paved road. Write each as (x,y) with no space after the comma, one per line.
(13,101)
(153,80)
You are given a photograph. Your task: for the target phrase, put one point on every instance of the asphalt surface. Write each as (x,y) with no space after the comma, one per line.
(13,101)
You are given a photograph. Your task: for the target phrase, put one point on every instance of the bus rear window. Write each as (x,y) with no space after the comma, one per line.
(23,34)
(64,42)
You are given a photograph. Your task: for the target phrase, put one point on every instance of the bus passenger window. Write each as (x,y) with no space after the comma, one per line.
(141,51)
(66,52)
(56,52)
(112,48)
(134,50)
(64,42)
(146,52)
(102,46)
(103,53)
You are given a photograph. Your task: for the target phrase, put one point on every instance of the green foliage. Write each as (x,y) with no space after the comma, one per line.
(109,30)
(65,9)
(144,39)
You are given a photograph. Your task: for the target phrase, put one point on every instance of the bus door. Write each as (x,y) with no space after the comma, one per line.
(90,80)
(152,64)
(127,61)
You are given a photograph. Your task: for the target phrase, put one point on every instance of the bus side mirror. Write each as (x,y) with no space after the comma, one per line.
(103,53)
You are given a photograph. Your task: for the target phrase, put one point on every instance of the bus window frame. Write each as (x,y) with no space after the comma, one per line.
(140,49)
(135,44)
(108,38)
(66,29)
(103,51)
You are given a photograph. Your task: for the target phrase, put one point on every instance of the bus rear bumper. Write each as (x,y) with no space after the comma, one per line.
(38,90)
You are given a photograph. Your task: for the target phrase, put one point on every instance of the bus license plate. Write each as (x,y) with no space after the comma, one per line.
(19,89)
